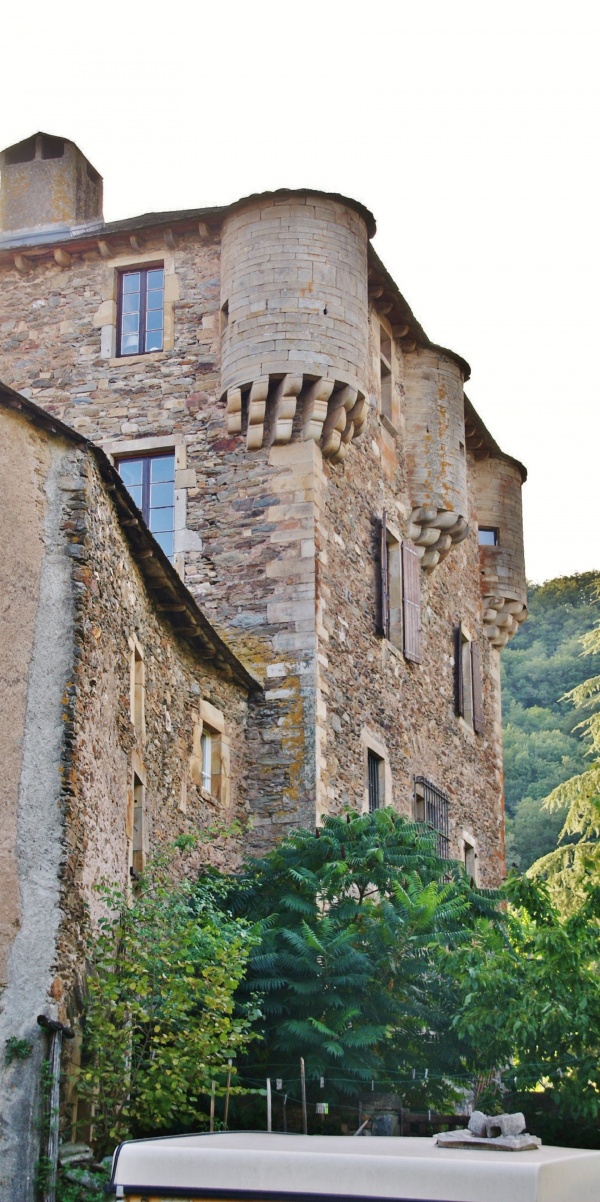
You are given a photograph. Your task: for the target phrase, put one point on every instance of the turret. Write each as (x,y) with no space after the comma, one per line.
(294,320)
(500,533)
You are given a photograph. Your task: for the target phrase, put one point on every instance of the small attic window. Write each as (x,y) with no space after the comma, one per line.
(24,152)
(52,148)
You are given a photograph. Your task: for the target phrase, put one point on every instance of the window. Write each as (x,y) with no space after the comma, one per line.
(469,860)
(400,592)
(140,311)
(150,479)
(385,371)
(468,680)
(209,761)
(376,779)
(431,808)
(206,749)
(488,536)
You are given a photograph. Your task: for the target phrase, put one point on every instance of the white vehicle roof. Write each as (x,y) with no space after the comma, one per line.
(257,1166)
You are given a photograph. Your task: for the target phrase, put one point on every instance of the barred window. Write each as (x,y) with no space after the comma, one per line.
(431,808)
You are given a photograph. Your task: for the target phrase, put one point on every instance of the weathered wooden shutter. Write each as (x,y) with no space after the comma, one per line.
(384,607)
(477,689)
(411,602)
(459,681)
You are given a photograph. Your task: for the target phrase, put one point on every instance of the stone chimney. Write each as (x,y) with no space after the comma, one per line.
(47,187)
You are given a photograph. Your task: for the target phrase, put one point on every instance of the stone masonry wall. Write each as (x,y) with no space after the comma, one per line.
(104,746)
(249,510)
(259,514)
(370,694)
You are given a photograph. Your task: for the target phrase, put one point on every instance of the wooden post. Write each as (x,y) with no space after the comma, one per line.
(226,1114)
(212,1106)
(269,1116)
(303,1087)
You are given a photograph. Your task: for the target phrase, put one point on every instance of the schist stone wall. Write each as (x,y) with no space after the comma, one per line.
(103,708)
(290,447)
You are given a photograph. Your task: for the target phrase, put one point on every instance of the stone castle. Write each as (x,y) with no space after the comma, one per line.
(261,554)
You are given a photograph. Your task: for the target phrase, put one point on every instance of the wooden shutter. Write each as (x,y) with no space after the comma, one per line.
(411,602)
(384,608)
(459,682)
(477,689)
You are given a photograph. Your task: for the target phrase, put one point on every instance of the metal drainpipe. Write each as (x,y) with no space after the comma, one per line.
(57,1031)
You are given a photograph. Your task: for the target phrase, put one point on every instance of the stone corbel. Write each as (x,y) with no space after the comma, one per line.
(316,399)
(285,400)
(334,425)
(62,257)
(257,404)
(437,531)
(234,411)
(23,264)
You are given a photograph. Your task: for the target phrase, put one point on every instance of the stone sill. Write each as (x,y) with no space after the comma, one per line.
(151,357)
(389,426)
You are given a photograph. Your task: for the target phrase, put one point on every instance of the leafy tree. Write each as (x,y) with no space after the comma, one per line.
(542,749)
(571,865)
(529,998)
(160,1024)
(346,967)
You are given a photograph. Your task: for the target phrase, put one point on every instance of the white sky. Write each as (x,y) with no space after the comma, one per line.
(469,129)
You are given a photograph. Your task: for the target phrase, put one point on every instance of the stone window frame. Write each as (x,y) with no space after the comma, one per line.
(137,687)
(138,838)
(207,719)
(469,847)
(185,478)
(106,316)
(371,742)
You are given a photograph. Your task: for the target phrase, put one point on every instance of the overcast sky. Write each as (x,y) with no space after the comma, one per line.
(469,129)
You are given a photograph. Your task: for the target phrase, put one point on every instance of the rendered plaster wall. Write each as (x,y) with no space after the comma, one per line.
(36,650)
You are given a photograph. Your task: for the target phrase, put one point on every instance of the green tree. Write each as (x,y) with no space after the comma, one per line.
(542,748)
(528,998)
(160,1020)
(346,967)
(573,864)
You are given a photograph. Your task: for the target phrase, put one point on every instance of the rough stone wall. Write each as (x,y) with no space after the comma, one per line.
(370,692)
(249,508)
(103,745)
(259,513)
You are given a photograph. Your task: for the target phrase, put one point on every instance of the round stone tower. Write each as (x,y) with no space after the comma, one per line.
(435,452)
(294,319)
(499,515)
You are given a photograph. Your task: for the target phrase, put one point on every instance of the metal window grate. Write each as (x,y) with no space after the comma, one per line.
(374,767)
(431,807)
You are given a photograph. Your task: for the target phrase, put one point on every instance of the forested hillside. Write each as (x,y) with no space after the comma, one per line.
(542,748)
